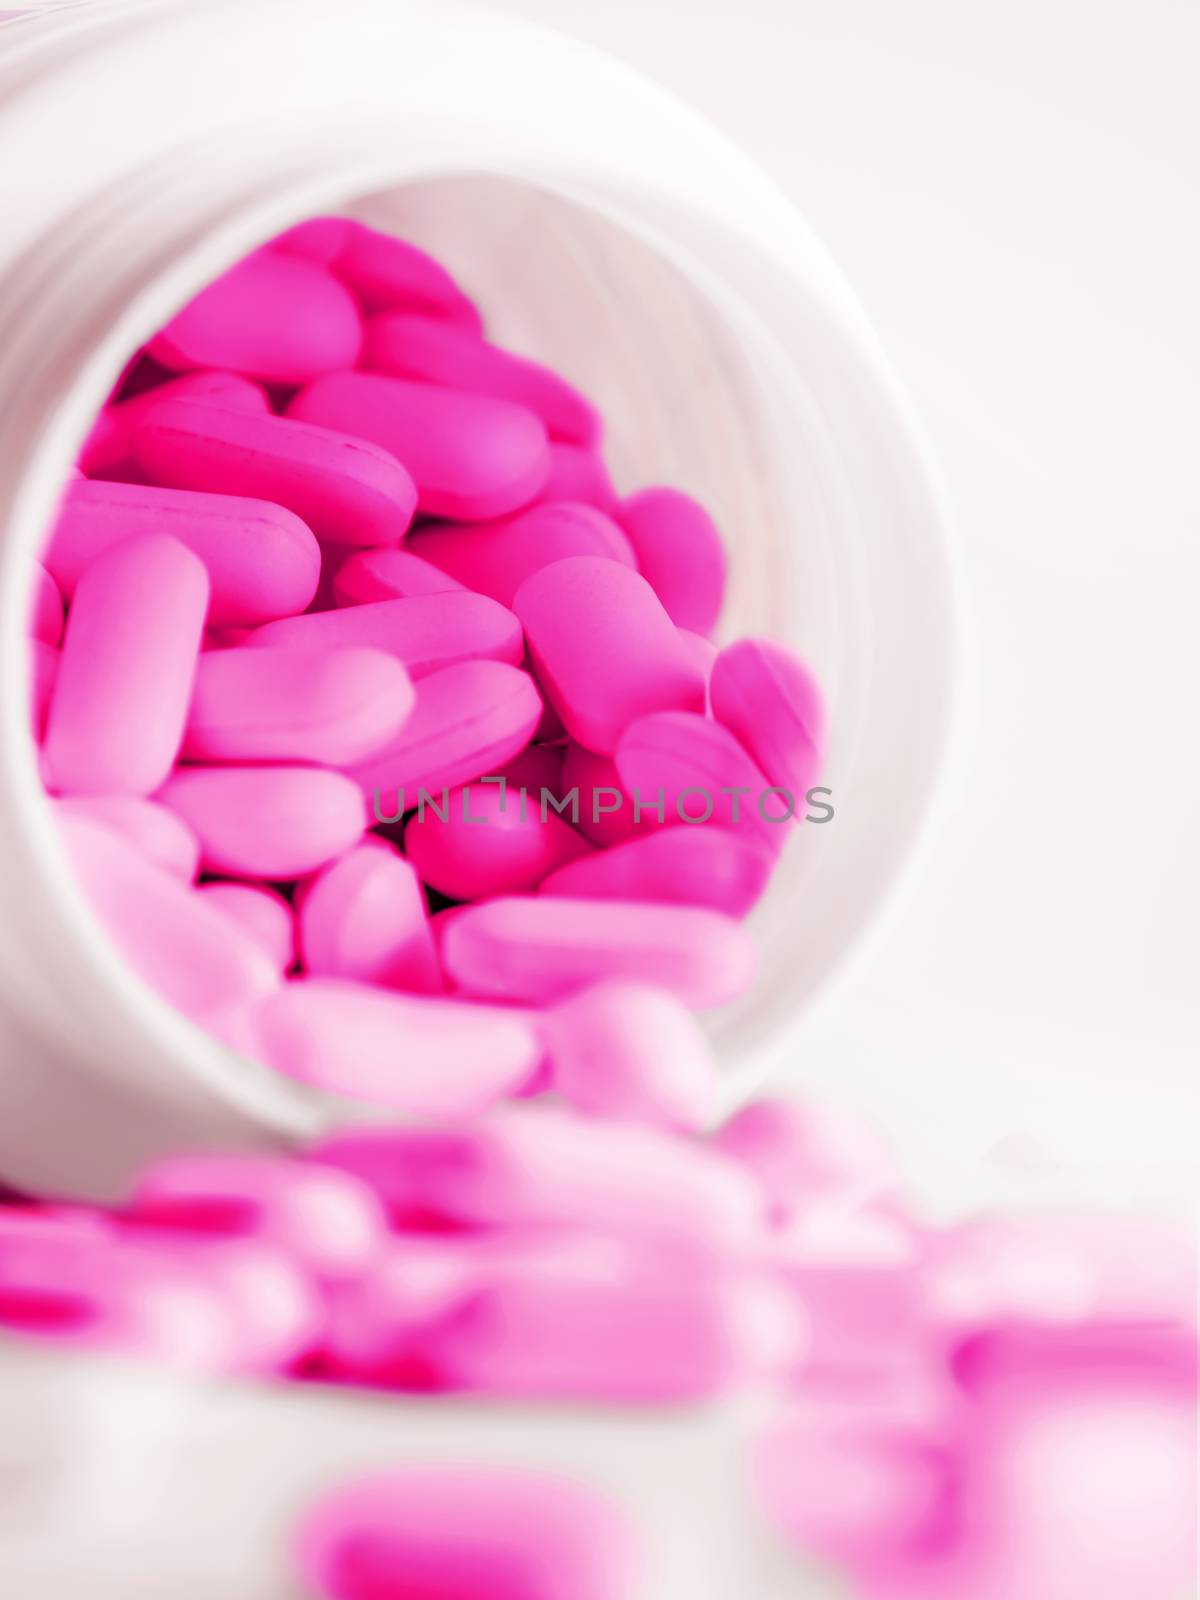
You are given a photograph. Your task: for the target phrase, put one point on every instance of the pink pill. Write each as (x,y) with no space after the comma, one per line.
(364,917)
(680,553)
(486,840)
(335,706)
(107,446)
(604,649)
(495,558)
(262,561)
(471,458)
(266,822)
(318,239)
(423,1057)
(46,608)
(271,316)
(446,1532)
(605,810)
(676,866)
(387,273)
(43,670)
(428,632)
(158,834)
(544,948)
(435,351)
(346,490)
(260,913)
(765,695)
(176,943)
(388,575)
(468,721)
(125,678)
(577,473)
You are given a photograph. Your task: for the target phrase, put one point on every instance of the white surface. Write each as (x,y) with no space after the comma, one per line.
(1012,190)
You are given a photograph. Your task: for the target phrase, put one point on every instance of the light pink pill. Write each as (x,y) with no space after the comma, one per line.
(176,943)
(46,608)
(428,632)
(346,490)
(364,917)
(546,947)
(680,553)
(318,239)
(605,810)
(470,457)
(577,473)
(386,273)
(388,575)
(262,561)
(765,695)
(335,706)
(468,721)
(271,316)
(603,648)
(495,558)
(125,678)
(261,913)
(714,867)
(108,444)
(485,840)
(423,1057)
(157,833)
(266,822)
(435,351)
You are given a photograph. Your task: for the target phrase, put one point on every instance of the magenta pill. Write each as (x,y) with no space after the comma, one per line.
(388,575)
(471,457)
(680,553)
(364,917)
(46,608)
(271,316)
(259,912)
(487,840)
(714,867)
(266,822)
(578,473)
(107,446)
(128,661)
(435,351)
(390,274)
(153,830)
(765,695)
(604,649)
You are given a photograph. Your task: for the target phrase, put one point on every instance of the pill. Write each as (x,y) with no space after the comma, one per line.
(387,273)
(150,828)
(577,473)
(603,648)
(441,1531)
(471,457)
(125,676)
(421,1056)
(697,775)
(427,632)
(364,917)
(46,608)
(272,316)
(347,490)
(266,822)
(334,706)
(543,948)
(176,943)
(262,561)
(43,670)
(605,810)
(468,721)
(486,840)
(680,553)
(701,867)
(388,575)
(765,695)
(261,913)
(803,1153)
(435,351)
(107,446)
(495,558)
(317,239)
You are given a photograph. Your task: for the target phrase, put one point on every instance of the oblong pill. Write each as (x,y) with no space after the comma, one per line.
(680,553)
(364,917)
(488,841)
(603,648)
(495,558)
(46,608)
(261,913)
(544,948)
(107,446)
(347,490)
(468,721)
(128,661)
(266,822)
(471,458)
(765,695)
(262,561)
(271,316)
(386,273)
(715,867)
(577,473)
(150,828)
(427,632)
(422,1056)
(388,575)
(333,706)
(435,351)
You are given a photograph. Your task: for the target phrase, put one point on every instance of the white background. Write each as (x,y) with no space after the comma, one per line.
(1014,190)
